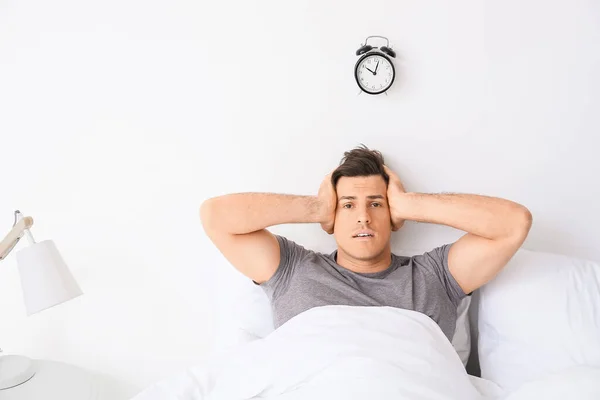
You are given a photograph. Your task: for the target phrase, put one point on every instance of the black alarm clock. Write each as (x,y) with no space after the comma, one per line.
(374,71)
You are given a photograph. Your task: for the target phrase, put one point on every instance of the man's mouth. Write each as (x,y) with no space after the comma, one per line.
(363,235)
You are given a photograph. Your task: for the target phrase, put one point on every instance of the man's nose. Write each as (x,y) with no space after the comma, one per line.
(363,217)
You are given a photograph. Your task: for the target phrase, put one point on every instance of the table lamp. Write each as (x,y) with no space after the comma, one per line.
(45,282)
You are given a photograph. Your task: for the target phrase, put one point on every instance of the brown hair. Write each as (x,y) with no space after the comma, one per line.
(360,161)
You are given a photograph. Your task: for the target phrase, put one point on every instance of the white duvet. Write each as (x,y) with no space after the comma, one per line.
(342,352)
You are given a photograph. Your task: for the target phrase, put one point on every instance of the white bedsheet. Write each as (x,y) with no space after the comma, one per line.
(337,352)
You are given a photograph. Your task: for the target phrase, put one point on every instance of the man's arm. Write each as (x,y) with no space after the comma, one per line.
(236,224)
(496,229)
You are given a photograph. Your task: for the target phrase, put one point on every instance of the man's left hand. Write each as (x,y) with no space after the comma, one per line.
(395,191)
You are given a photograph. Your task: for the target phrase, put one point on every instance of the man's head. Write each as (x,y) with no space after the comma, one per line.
(362,221)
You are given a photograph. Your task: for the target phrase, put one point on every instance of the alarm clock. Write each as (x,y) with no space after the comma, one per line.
(374,71)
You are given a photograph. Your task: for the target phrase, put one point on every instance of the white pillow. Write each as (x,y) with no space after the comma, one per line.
(540,315)
(244,312)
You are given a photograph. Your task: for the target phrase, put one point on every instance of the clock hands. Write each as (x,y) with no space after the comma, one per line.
(373,72)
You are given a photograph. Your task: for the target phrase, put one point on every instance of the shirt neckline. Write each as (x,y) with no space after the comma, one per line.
(380,274)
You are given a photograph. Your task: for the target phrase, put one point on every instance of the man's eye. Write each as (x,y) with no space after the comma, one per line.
(376,204)
(347,205)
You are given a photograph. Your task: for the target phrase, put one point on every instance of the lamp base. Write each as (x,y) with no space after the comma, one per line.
(15,370)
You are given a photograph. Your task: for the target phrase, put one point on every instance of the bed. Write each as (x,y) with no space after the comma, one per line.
(537,336)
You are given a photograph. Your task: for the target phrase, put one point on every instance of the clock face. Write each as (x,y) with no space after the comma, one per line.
(374,73)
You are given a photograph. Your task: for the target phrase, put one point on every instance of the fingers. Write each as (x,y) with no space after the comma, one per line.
(389,172)
(328,196)
(327,179)
(394,178)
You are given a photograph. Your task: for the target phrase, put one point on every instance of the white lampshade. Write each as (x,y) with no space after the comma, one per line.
(45,278)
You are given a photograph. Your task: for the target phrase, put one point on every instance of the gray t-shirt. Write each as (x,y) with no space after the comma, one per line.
(307,279)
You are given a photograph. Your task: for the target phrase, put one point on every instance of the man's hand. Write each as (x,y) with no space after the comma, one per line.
(394,191)
(327,204)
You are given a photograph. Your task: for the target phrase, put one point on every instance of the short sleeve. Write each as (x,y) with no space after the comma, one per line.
(291,256)
(436,261)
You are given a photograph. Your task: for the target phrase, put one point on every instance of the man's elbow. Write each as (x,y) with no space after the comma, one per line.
(522,224)
(207,213)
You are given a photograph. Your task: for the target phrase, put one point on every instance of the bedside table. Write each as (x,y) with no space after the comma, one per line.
(55,380)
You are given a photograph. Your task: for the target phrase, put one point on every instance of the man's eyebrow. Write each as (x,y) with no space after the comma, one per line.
(371,197)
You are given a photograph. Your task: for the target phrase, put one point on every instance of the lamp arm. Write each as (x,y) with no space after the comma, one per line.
(12,238)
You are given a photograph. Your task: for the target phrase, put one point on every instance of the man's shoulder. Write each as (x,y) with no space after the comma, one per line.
(298,245)
(305,254)
(289,245)
(414,252)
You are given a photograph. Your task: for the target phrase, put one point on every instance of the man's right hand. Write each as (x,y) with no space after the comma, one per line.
(327,204)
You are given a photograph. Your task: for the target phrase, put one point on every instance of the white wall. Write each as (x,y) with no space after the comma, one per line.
(118,118)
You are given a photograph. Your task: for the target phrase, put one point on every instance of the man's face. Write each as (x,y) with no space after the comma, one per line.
(362,207)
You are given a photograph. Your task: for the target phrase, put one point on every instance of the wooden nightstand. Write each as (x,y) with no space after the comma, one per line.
(55,380)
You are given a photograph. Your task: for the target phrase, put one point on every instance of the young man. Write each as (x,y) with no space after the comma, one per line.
(361,202)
